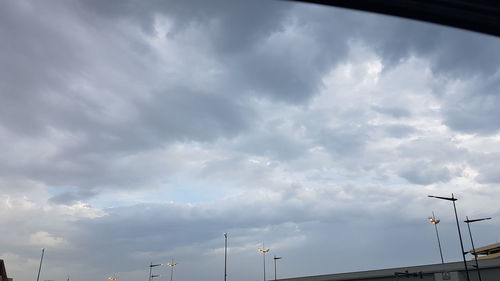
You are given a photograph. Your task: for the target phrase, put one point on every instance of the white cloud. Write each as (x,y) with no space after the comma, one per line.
(45,239)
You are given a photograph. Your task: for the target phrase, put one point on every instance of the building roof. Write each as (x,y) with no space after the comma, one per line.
(430,269)
(487,252)
(3,273)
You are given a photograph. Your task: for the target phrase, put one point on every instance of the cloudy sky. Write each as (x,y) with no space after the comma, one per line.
(140,131)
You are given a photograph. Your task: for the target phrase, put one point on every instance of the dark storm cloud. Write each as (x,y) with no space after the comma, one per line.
(425,173)
(272,144)
(454,55)
(475,109)
(54,84)
(450,51)
(345,142)
(35,58)
(427,161)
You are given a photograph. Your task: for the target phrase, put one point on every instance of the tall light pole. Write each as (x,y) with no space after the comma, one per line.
(453,199)
(171,264)
(264,251)
(435,221)
(225,256)
(151,270)
(467,221)
(275,275)
(40,267)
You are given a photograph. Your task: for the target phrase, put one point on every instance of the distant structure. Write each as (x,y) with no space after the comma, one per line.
(3,272)
(487,252)
(489,263)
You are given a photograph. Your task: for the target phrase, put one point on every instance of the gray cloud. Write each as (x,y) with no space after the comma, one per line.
(426,173)
(473,108)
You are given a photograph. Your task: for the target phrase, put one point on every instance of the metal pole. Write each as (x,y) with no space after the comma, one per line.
(172,271)
(40,267)
(460,236)
(275,278)
(150,270)
(439,241)
(225,256)
(275,274)
(264,255)
(473,248)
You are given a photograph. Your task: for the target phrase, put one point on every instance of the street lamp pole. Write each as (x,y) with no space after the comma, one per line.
(264,251)
(453,199)
(151,270)
(225,256)
(435,221)
(467,221)
(40,267)
(275,258)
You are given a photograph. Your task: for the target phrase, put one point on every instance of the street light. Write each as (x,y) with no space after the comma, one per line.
(112,278)
(453,199)
(264,252)
(275,258)
(225,256)
(472,242)
(435,221)
(151,269)
(171,264)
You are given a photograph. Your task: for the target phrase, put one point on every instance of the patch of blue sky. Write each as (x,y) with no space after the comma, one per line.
(177,191)
(58,190)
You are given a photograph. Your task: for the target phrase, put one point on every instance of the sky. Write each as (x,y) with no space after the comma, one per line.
(141,131)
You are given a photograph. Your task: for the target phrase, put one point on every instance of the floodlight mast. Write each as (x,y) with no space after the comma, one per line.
(264,251)
(171,264)
(435,221)
(453,199)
